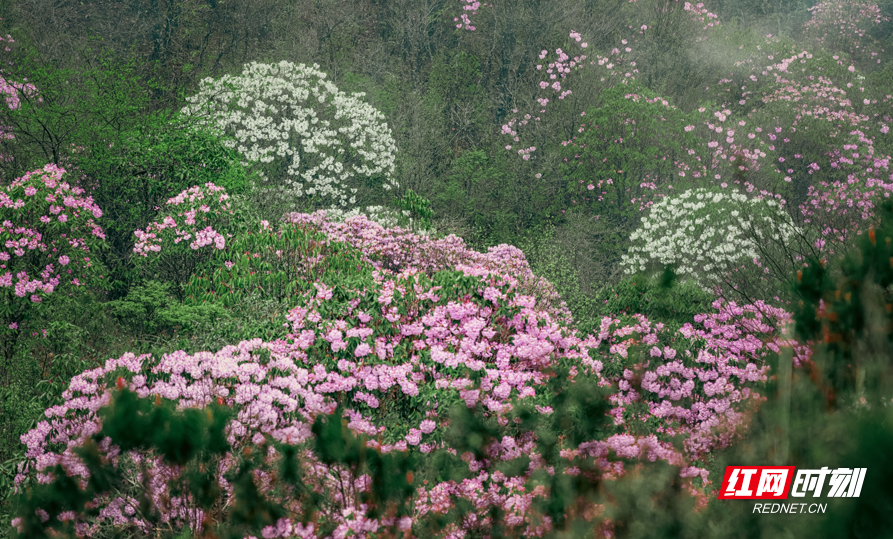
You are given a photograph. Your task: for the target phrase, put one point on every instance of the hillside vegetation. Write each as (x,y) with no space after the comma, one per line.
(328,268)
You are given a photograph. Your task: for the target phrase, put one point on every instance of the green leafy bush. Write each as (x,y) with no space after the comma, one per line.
(151,308)
(657,297)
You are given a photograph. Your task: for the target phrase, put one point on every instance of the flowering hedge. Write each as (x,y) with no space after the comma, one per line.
(395,347)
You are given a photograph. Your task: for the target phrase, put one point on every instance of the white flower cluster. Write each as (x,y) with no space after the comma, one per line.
(289,121)
(705,233)
(386,217)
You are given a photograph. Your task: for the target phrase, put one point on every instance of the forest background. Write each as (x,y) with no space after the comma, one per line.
(598,137)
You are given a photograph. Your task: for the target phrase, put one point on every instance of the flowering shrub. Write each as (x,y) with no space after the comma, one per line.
(394,347)
(396,249)
(281,262)
(843,203)
(706,232)
(189,209)
(555,84)
(299,131)
(561,71)
(801,128)
(386,217)
(463,20)
(198,217)
(10,90)
(49,241)
(846,27)
(412,211)
(823,140)
(134,177)
(277,263)
(797,102)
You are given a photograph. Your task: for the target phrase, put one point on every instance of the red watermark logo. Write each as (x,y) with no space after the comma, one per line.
(774,482)
(756,483)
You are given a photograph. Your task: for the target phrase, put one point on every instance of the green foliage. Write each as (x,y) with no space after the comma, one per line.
(650,503)
(455,89)
(381,95)
(184,154)
(497,202)
(564,259)
(76,105)
(150,308)
(630,145)
(279,264)
(155,161)
(255,314)
(656,297)
(816,436)
(856,315)
(455,77)
(591,290)
(41,367)
(418,208)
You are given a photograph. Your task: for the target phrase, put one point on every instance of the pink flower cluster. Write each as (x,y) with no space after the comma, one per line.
(13,92)
(470,8)
(397,249)
(618,64)
(813,96)
(49,229)
(413,336)
(702,15)
(193,208)
(845,27)
(557,70)
(842,205)
(779,89)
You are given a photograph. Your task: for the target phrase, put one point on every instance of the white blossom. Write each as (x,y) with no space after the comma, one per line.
(317,139)
(704,239)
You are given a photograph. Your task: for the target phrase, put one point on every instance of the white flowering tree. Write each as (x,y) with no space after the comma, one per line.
(709,235)
(312,144)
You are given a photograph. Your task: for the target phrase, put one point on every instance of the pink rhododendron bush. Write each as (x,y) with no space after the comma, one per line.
(201,216)
(394,249)
(47,229)
(10,90)
(424,338)
(48,239)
